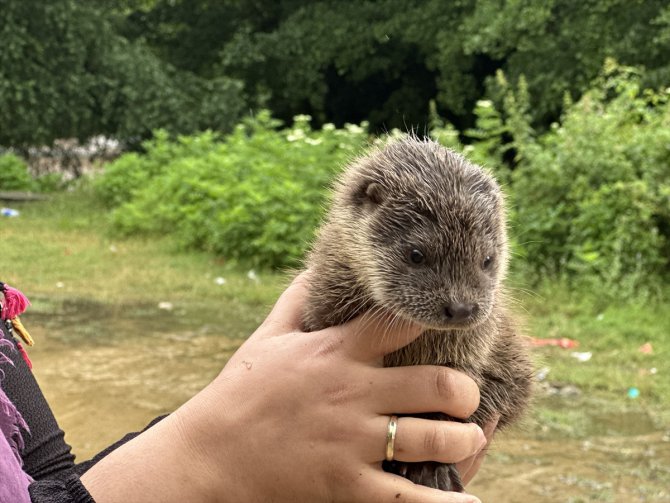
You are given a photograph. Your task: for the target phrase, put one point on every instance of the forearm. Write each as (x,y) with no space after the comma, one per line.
(156,466)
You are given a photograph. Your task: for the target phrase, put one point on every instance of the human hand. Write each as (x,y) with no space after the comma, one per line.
(469,467)
(300,417)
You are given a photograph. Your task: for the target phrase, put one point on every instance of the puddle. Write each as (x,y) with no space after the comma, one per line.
(107,371)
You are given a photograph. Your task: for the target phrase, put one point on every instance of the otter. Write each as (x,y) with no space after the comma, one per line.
(420,232)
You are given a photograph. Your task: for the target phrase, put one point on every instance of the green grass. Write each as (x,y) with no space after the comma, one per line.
(613,332)
(62,251)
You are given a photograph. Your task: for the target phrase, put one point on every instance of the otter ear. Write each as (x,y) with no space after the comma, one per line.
(369,192)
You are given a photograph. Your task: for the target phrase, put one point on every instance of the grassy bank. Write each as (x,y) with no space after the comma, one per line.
(61,251)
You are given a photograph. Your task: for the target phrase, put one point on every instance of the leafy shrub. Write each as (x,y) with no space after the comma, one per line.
(256,196)
(14,173)
(132,171)
(50,182)
(591,197)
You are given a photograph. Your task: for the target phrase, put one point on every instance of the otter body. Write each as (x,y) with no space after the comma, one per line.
(416,230)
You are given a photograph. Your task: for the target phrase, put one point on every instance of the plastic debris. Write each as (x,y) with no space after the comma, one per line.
(563,390)
(542,374)
(220,281)
(165,306)
(633,393)
(563,342)
(646,348)
(582,357)
(9,212)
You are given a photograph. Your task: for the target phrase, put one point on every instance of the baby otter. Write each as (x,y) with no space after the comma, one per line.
(417,230)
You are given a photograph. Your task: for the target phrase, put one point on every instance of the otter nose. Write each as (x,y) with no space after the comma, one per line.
(459,311)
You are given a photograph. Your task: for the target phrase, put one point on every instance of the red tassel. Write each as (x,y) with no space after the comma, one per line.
(24,354)
(15,303)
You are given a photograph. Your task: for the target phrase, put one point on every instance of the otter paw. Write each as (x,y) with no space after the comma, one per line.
(429,474)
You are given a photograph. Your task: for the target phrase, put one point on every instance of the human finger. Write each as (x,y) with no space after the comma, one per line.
(418,439)
(469,467)
(423,388)
(375,334)
(286,314)
(384,487)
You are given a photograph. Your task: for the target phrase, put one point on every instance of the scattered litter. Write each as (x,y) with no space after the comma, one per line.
(653,370)
(563,342)
(542,374)
(220,281)
(582,357)
(633,393)
(563,390)
(646,348)
(9,212)
(252,276)
(600,317)
(60,284)
(166,306)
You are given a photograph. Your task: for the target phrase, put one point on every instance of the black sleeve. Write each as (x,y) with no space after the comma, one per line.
(69,489)
(45,454)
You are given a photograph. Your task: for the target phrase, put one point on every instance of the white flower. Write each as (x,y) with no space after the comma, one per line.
(355,129)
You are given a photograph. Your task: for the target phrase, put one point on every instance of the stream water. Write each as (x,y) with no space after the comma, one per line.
(106,375)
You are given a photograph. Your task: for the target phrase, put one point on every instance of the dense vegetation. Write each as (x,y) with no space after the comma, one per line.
(590,199)
(74,68)
(519,86)
(254,196)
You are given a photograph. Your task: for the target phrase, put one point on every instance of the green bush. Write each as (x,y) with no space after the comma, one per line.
(14,173)
(254,197)
(591,197)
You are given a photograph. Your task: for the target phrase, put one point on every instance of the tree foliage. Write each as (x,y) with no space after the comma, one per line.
(383,60)
(124,67)
(66,72)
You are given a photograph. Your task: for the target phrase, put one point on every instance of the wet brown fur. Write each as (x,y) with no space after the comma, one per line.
(416,194)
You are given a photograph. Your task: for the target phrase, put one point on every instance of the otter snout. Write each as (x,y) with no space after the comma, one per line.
(459,311)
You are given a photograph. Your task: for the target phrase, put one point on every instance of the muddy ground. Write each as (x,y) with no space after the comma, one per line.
(106,375)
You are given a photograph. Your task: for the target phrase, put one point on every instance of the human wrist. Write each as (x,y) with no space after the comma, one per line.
(159,465)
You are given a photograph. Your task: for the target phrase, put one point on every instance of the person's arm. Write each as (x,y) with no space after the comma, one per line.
(299,417)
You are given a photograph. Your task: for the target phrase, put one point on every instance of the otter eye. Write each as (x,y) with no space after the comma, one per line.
(487,262)
(416,256)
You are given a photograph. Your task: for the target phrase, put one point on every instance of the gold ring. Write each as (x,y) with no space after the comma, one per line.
(390,437)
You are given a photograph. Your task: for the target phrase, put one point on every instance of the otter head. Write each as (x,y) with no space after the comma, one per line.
(427,235)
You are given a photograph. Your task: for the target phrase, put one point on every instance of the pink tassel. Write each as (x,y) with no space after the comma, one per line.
(15,303)
(24,355)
